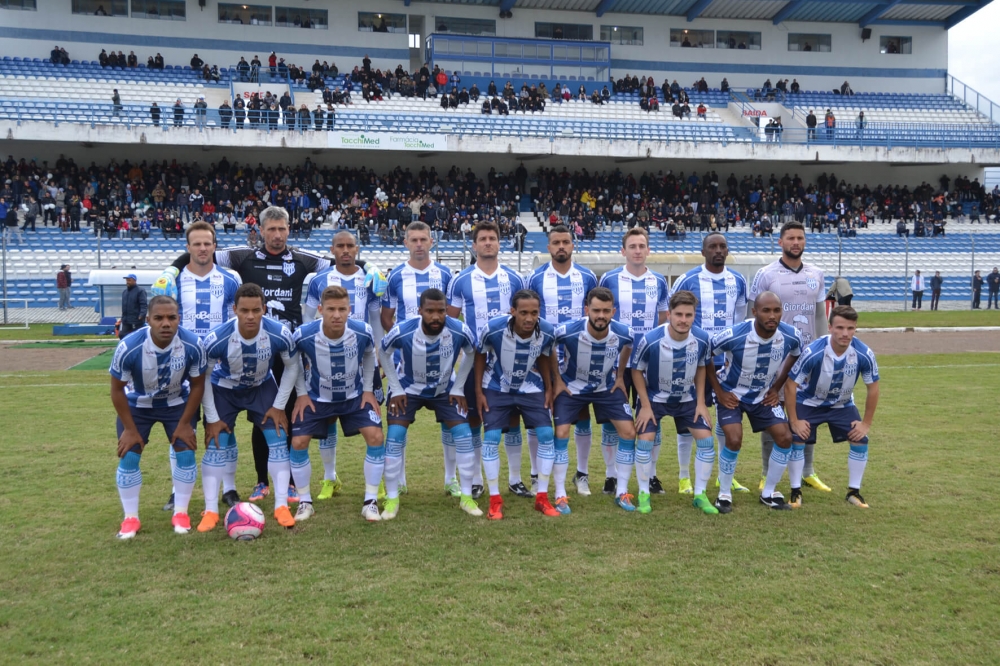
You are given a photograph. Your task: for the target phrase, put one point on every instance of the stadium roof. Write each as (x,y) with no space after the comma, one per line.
(940,13)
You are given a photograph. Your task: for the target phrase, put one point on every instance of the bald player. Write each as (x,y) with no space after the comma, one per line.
(799,286)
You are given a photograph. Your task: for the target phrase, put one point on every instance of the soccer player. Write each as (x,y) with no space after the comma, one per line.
(641,297)
(596,350)
(157,376)
(562,286)
(243,351)
(513,377)
(205,299)
(428,346)
(338,362)
(820,389)
(480,293)
(365,307)
(722,302)
(800,287)
(402,301)
(758,357)
(669,372)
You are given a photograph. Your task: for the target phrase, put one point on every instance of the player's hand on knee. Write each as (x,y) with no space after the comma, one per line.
(859,430)
(212,432)
(185,433)
(771,397)
(397,405)
(129,439)
(644,417)
(460,403)
(801,428)
(302,403)
(277,416)
(702,411)
(368,398)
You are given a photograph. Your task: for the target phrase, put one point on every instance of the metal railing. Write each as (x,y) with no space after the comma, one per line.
(972,98)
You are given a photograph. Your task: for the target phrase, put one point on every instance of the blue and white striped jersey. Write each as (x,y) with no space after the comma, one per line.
(752,363)
(206,302)
(827,380)
(332,369)
(363,299)
(638,300)
(157,377)
(246,363)
(482,297)
(669,365)
(563,296)
(426,365)
(590,365)
(510,359)
(406,283)
(722,299)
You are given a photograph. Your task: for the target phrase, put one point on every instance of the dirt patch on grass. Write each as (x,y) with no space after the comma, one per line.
(932,343)
(21,358)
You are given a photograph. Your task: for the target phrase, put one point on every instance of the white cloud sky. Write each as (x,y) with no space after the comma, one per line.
(972,54)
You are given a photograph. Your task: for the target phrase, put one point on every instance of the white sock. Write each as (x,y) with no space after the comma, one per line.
(560,467)
(704,460)
(232,457)
(491,460)
(609,449)
(448,446)
(796,460)
(684,445)
(465,457)
(279,470)
(533,451)
(583,440)
(655,455)
(395,444)
(213,467)
(477,463)
(184,478)
(775,469)
(727,470)
(328,453)
(374,467)
(643,463)
(857,460)
(172,456)
(402,464)
(624,461)
(301,467)
(128,478)
(546,460)
(513,442)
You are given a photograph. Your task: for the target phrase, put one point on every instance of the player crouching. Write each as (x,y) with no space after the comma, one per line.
(338,363)
(820,389)
(157,376)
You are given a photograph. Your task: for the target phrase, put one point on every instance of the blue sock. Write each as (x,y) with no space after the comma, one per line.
(129,481)
(184,477)
(727,469)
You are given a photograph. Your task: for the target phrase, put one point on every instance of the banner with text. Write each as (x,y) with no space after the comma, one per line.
(387,141)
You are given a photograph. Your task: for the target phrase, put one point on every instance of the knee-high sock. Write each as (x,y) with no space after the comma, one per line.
(173,465)
(775,469)
(727,469)
(684,445)
(766,445)
(184,478)
(213,467)
(857,459)
(328,453)
(704,460)
(624,460)
(533,451)
(448,446)
(278,467)
(655,455)
(395,445)
(302,469)
(402,464)
(720,435)
(643,463)
(546,457)
(609,449)
(260,445)
(128,478)
(808,469)
(491,459)
(374,467)
(560,465)
(477,464)
(232,457)
(513,442)
(465,456)
(582,434)
(795,462)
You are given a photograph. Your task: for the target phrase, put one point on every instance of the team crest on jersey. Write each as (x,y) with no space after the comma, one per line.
(691,357)
(535,350)
(434,282)
(578,288)
(731,289)
(651,290)
(351,350)
(288,268)
(777,353)
(851,369)
(812,283)
(177,362)
(610,351)
(263,353)
(217,289)
(504,287)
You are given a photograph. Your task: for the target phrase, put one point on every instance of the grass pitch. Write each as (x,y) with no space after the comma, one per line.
(913,580)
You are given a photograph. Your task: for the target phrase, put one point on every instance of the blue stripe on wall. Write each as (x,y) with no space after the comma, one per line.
(195,44)
(638,66)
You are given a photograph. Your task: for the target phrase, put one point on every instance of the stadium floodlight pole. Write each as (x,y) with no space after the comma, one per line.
(906,270)
(972,272)
(3,245)
(98,249)
(840,254)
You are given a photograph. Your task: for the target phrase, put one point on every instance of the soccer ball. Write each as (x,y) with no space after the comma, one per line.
(244,522)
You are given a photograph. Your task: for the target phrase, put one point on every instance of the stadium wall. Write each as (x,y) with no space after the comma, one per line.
(33,33)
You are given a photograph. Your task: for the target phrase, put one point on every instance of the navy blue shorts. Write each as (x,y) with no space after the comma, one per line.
(530,406)
(470,394)
(256,401)
(761,416)
(682,413)
(444,410)
(377,387)
(608,406)
(145,418)
(352,416)
(838,419)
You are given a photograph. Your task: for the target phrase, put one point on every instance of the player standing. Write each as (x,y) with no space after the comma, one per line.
(820,389)
(243,351)
(480,293)
(800,288)
(596,349)
(562,286)
(402,301)
(365,307)
(338,365)
(157,376)
(641,303)
(428,346)
(722,302)
(514,377)
(669,373)
(758,357)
